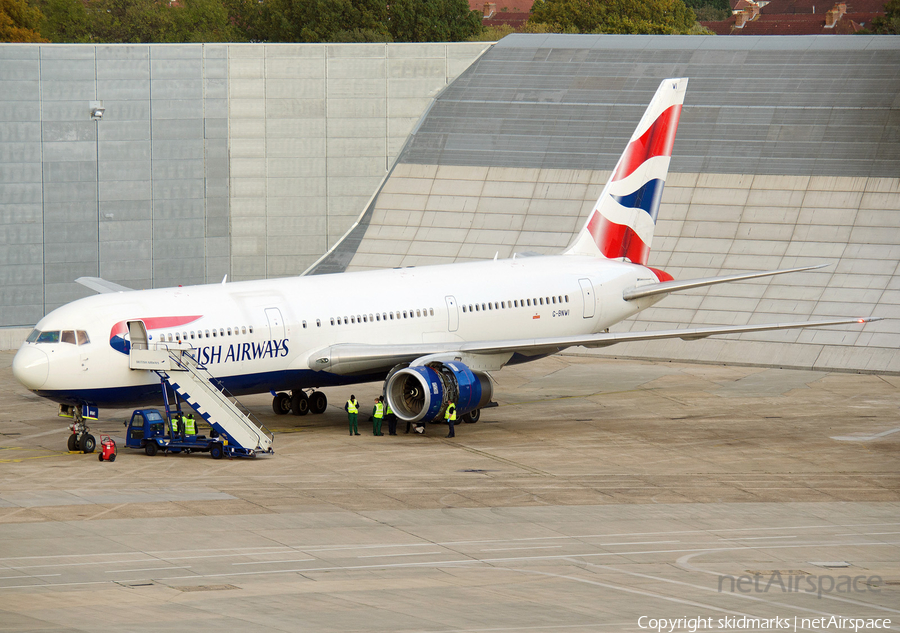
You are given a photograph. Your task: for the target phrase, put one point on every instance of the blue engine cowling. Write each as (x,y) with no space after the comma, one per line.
(421,394)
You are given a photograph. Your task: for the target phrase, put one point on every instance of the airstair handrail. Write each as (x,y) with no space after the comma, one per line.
(216,386)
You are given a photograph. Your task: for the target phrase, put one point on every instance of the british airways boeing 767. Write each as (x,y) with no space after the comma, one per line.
(431,333)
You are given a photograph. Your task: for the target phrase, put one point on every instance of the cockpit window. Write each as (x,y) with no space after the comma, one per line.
(73,337)
(48,337)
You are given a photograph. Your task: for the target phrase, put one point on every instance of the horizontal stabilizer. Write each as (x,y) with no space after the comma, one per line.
(101,286)
(674,286)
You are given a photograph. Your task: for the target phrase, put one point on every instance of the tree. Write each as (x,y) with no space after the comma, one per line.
(203,21)
(433,20)
(326,21)
(66,21)
(889,24)
(613,16)
(19,22)
(710,10)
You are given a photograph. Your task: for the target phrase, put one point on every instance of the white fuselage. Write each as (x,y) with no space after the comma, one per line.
(260,335)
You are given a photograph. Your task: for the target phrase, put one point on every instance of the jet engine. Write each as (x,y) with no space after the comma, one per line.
(421,394)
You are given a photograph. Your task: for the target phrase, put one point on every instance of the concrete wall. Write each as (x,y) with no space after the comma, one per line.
(247,160)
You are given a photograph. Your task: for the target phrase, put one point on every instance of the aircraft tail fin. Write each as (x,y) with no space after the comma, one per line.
(622,222)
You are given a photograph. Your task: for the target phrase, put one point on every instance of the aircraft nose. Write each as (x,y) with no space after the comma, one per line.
(31,367)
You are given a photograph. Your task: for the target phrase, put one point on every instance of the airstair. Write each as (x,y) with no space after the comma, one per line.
(175,364)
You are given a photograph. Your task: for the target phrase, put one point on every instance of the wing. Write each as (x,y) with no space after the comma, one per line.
(101,286)
(352,358)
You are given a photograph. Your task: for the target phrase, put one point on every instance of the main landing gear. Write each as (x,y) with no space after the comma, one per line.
(299,403)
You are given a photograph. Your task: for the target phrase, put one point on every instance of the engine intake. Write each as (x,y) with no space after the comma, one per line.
(422,393)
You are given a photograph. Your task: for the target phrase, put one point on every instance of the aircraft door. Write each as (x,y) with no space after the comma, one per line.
(453,314)
(587,294)
(276,323)
(137,332)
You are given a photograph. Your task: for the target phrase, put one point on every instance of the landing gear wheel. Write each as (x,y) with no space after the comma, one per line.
(472,416)
(216,451)
(317,402)
(88,443)
(151,448)
(73,443)
(299,403)
(281,404)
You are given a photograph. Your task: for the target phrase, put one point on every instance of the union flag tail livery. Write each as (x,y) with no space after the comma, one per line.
(622,222)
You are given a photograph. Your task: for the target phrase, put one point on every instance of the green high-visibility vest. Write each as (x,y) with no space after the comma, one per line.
(351,406)
(387,409)
(189,427)
(450,414)
(379,410)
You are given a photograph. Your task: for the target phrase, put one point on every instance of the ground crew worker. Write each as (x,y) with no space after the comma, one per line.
(182,425)
(352,409)
(377,416)
(391,419)
(450,417)
(176,419)
(190,426)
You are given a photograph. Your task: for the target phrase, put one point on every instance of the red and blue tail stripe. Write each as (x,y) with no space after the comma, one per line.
(622,222)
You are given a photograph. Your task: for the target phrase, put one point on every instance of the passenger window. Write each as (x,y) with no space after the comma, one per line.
(464,309)
(33,336)
(370,318)
(431,311)
(503,304)
(404,314)
(318,323)
(304,325)
(476,308)
(192,334)
(352,319)
(214,334)
(68,336)
(529,302)
(567,298)
(392,316)
(418,313)
(229,331)
(251,329)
